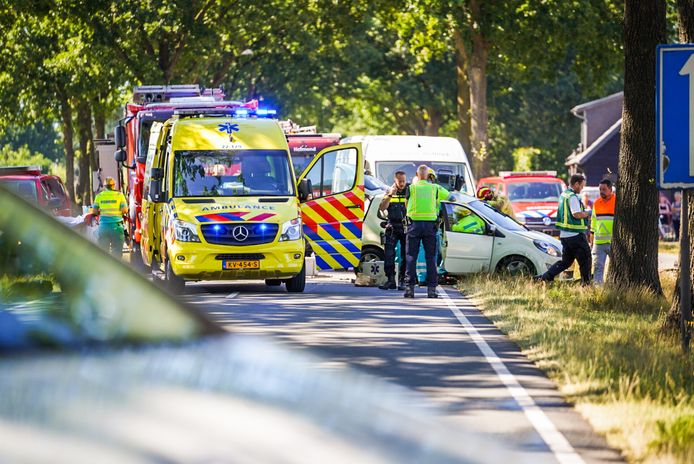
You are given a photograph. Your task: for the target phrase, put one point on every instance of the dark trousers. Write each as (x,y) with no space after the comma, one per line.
(573,248)
(423,232)
(395,235)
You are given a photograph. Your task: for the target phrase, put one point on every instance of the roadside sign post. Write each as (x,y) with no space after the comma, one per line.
(675,151)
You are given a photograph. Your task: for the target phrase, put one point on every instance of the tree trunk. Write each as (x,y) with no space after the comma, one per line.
(99,112)
(477,76)
(87,154)
(433,122)
(685,23)
(463,97)
(635,244)
(66,116)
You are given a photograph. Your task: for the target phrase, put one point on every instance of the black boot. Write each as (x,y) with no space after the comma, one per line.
(431,292)
(409,292)
(389,285)
(401,285)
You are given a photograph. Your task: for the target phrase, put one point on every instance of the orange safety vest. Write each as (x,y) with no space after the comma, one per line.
(603,218)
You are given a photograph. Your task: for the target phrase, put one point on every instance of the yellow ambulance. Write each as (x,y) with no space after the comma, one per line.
(221,202)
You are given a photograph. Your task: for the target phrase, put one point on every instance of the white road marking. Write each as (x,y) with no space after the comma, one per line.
(555,440)
(232,295)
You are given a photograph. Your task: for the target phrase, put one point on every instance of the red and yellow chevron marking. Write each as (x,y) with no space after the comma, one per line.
(333,225)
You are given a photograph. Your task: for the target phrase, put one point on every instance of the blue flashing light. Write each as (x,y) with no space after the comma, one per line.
(262,228)
(241,112)
(217,228)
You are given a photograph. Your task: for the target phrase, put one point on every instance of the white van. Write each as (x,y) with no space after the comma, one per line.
(385,154)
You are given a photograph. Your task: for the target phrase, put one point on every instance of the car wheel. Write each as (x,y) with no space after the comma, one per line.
(297,283)
(273,282)
(175,284)
(369,254)
(516,265)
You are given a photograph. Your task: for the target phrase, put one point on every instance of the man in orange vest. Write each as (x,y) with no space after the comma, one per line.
(601,229)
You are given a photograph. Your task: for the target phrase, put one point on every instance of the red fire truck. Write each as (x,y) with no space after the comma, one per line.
(157,103)
(305,142)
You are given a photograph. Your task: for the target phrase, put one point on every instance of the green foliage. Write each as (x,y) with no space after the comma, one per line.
(40,137)
(24,157)
(524,158)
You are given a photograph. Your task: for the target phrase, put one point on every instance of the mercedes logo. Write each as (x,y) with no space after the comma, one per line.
(547,220)
(240,233)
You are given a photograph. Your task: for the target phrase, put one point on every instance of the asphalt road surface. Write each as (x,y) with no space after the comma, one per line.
(445,349)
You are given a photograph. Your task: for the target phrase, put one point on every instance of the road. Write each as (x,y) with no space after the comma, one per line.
(444,348)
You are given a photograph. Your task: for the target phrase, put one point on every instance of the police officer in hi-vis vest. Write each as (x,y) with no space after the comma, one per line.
(423,205)
(394,203)
(110,205)
(573,227)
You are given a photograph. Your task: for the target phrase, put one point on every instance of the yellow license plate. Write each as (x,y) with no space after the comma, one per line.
(254,264)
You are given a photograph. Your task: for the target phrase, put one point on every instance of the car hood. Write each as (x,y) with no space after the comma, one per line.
(225,399)
(535,209)
(235,209)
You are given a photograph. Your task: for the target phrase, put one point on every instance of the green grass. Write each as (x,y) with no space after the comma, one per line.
(668,247)
(606,350)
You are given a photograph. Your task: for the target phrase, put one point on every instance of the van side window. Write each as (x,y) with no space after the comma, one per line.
(334,173)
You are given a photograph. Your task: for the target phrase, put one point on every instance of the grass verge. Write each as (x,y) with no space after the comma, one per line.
(606,351)
(668,247)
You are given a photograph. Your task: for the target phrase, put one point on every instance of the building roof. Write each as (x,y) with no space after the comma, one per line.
(583,156)
(592,104)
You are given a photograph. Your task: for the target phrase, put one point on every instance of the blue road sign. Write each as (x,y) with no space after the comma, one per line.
(675,116)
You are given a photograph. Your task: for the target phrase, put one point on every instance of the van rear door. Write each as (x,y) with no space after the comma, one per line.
(334,214)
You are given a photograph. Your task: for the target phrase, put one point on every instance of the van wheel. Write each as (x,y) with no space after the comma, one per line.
(369,254)
(174,284)
(297,283)
(273,282)
(516,266)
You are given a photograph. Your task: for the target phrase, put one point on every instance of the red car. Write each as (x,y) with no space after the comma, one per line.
(42,189)
(534,196)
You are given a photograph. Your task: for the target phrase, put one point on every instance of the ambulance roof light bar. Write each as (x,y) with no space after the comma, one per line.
(528,174)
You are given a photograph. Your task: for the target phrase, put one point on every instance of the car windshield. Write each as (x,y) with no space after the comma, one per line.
(60,291)
(496,216)
(385,170)
(24,188)
(373,183)
(227,173)
(534,191)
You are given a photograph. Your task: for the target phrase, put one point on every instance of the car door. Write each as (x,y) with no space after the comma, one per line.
(466,251)
(334,213)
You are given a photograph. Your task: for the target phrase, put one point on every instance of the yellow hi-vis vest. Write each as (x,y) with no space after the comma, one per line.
(110,203)
(424,201)
(565,220)
(602,220)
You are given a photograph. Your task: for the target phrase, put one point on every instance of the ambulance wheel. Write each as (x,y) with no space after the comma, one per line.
(297,283)
(273,282)
(369,254)
(175,284)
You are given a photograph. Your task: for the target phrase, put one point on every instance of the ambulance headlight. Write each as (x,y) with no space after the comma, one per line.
(185,231)
(548,248)
(291,230)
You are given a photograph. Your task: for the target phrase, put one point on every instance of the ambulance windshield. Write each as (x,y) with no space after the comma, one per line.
(227,173)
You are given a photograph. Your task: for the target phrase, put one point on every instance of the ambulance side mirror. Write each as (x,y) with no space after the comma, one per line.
(304,189)
(119,136)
